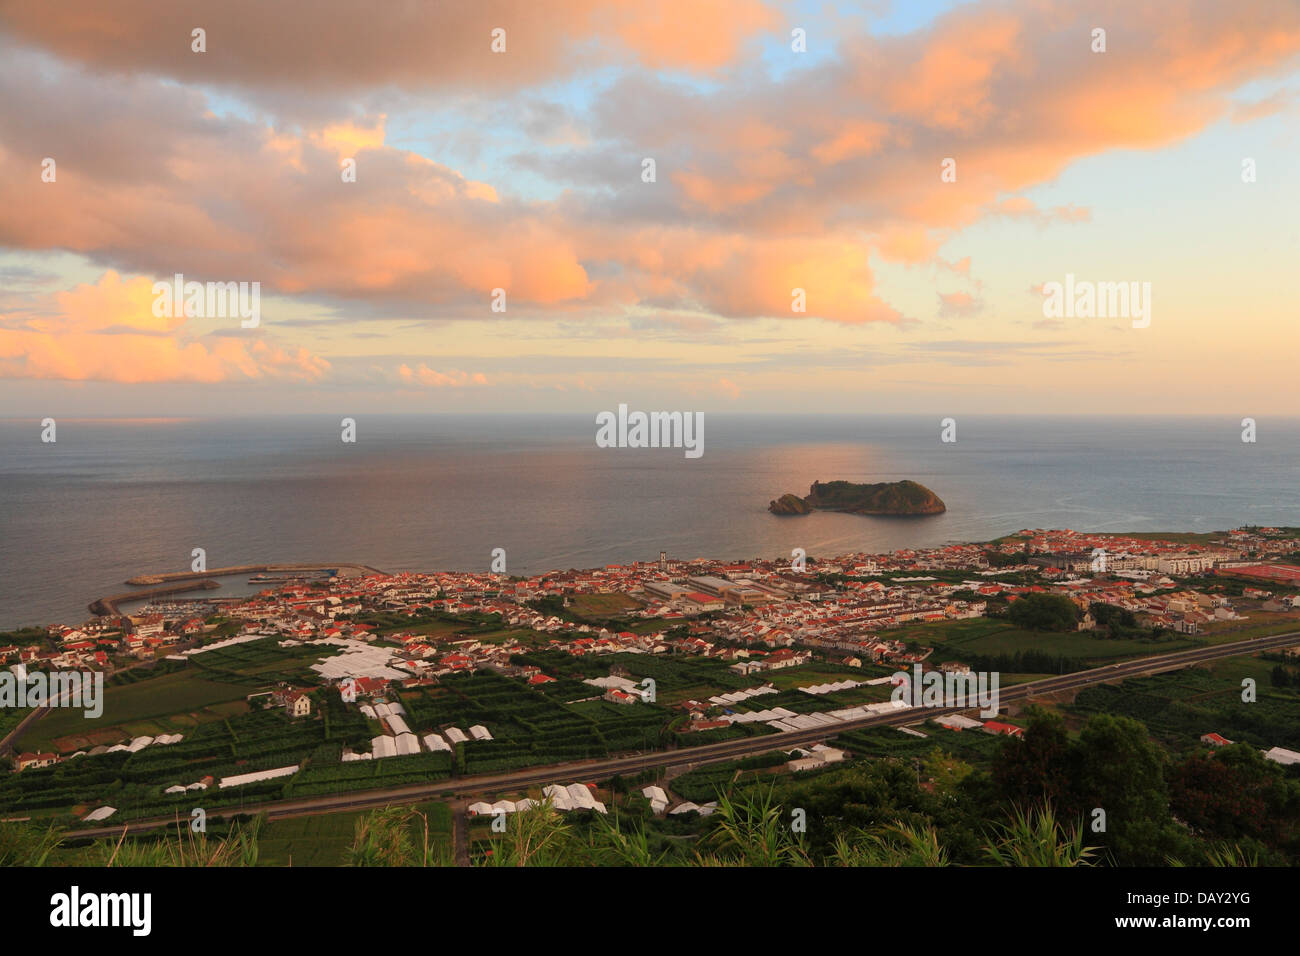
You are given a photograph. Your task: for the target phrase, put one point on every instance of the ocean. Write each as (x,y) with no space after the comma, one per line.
(115,498)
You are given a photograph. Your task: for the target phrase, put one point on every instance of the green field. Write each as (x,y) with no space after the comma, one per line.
(1176,537)
(960,640)
(524,635)
(317,840)
(184,693)
(322,839)
(11,717)
(603,605)
(1261,624)
(820,673)
(429,628)
(972,745)
(1179,707)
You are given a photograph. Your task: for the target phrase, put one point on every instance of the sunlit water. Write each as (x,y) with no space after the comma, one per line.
(112,499)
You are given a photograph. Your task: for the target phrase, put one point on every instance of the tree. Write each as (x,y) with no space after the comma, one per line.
(1036,768)
(1044,612)
(1121,771)
(1235,792)
(1112,618)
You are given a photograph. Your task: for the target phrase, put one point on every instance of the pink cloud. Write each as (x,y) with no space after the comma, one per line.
(339,45)
(431,378)
(763,187)
(107,332)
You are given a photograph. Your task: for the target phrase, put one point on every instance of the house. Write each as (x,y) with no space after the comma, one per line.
(457,662)
(365,686)
(701,725)
(1214,740)
(1006,730)
(36,760)
(815,759)
(296,703)
(146,625)
(781,659)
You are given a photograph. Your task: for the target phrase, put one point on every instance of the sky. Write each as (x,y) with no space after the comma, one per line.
(921,171)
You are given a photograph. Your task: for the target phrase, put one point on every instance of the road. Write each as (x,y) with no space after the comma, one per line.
(713,753)
(11,739)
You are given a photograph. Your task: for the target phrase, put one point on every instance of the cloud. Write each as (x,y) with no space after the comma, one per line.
(959,304)
(430,378)
(961,266)
(328,47)
(107,332)
(764,185)
(1280,101)
(1019,207)
(725,386)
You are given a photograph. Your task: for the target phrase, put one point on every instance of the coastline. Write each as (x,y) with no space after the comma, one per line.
(206,581)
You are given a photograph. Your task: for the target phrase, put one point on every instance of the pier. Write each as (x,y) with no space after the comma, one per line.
(107,606)
(167,578)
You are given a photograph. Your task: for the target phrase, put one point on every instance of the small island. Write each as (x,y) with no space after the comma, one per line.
(882,498)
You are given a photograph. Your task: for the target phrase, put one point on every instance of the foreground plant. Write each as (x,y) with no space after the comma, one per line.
(1226,854)
(22,844)
(1036,838)
(238,848)
(610,845)
(897,845)
(752,829)
(385,838)
(535,837)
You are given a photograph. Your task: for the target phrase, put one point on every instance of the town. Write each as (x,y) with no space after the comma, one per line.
(370,635)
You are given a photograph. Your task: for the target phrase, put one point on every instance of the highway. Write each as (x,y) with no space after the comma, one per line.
(604,768)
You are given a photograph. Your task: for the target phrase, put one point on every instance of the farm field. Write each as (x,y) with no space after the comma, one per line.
(530,726)
(316,840)
(1260,624)
(11,717)
(987,637)
(524,635)
(603,605)
(705,783)
(135,783)
(263,661)
(323,839)
(971,745)
(807,675)
(1181,706)
(437,629)
(1177,537)
(676,678)
(171,703)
